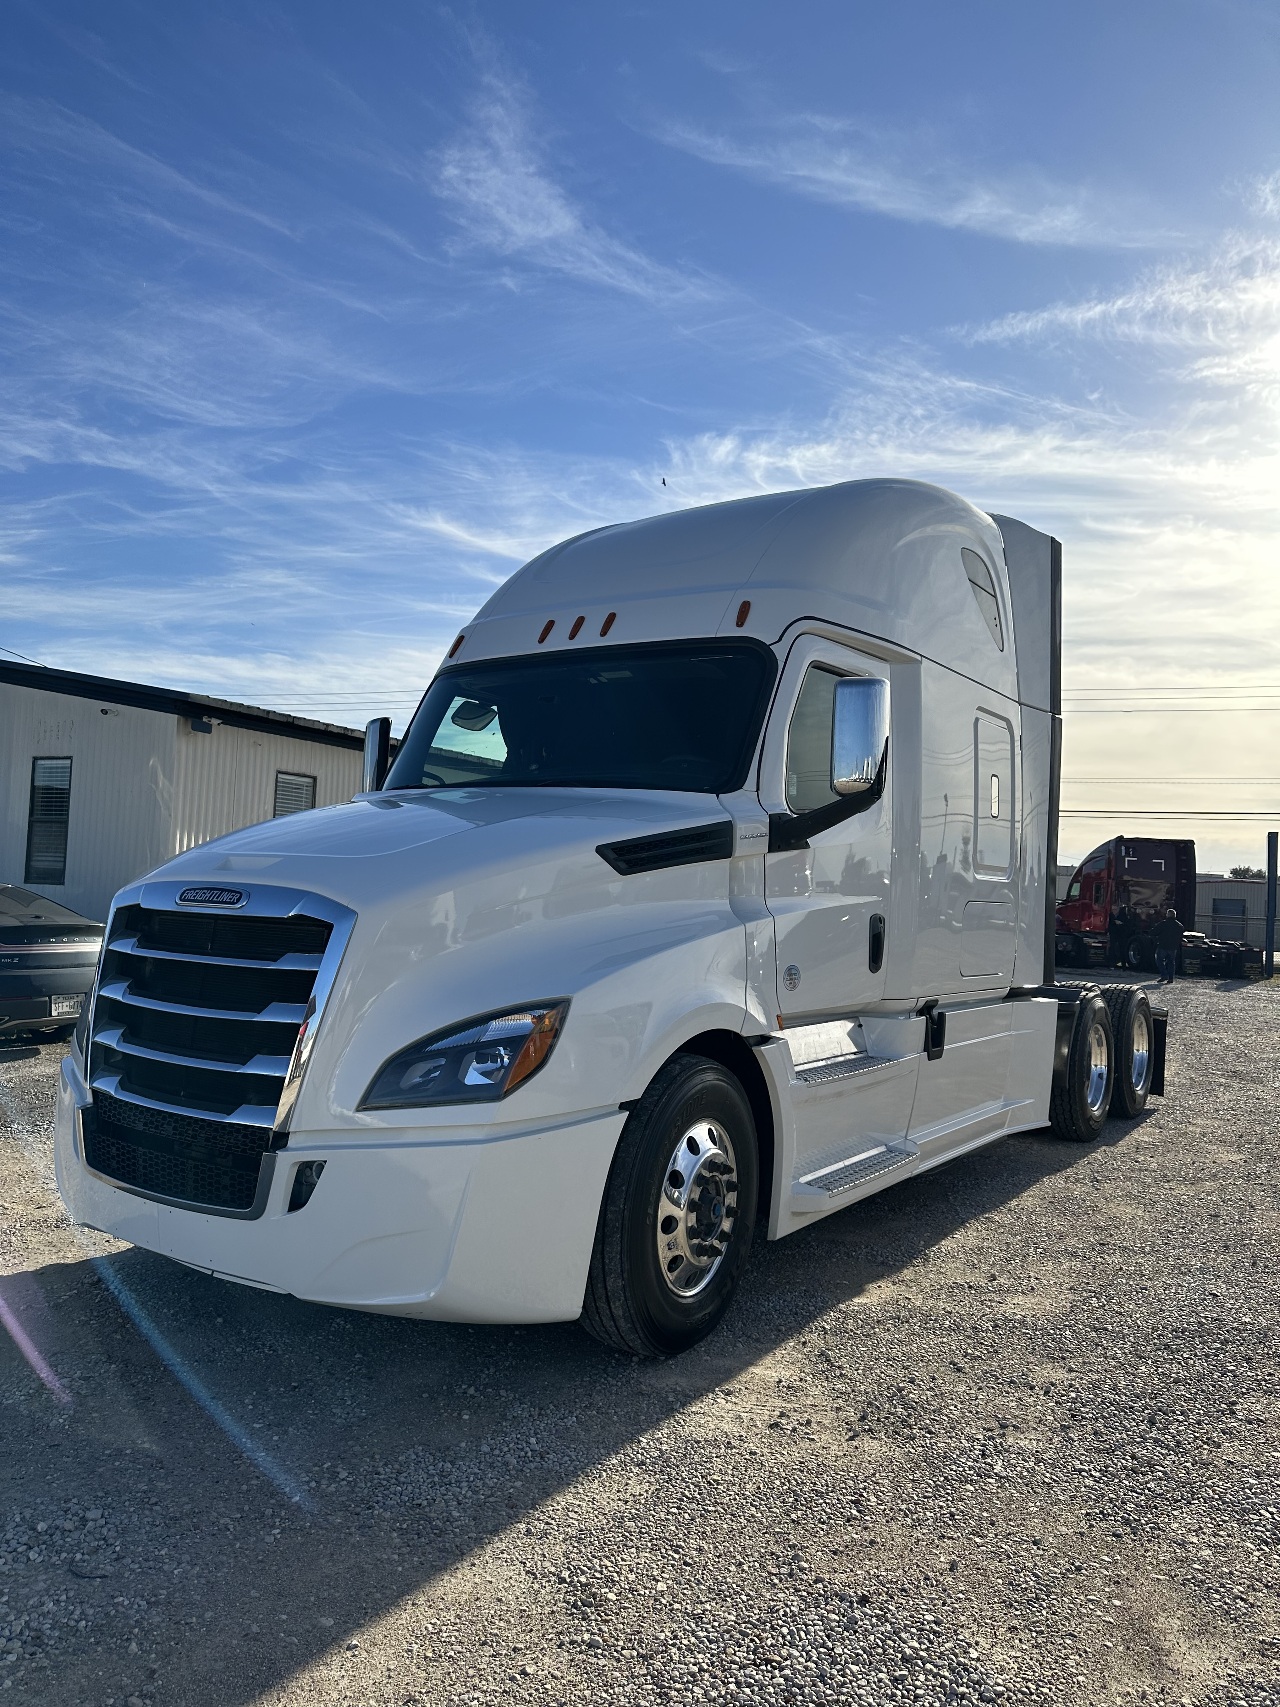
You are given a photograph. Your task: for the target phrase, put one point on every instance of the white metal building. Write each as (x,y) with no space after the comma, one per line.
(1234,909)
(102,780)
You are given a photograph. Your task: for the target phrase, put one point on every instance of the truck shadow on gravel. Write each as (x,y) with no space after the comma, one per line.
(416,1442)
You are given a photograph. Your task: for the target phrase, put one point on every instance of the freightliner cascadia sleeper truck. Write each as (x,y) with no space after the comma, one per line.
(711,885)
(1117,896)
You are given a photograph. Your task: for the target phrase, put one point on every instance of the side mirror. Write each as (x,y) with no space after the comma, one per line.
(859,734)
(377,754)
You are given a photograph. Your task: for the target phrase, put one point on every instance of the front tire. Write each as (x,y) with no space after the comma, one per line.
(1081,1096)
(678,1213)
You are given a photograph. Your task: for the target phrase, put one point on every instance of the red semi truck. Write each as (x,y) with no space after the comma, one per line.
(1116,896)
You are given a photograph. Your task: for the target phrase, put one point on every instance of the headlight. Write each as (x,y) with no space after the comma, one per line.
(481,1060)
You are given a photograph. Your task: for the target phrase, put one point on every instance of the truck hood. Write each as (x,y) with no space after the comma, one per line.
(471,900)
(392,848)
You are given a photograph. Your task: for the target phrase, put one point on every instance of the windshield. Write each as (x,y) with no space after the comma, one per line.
(678,715)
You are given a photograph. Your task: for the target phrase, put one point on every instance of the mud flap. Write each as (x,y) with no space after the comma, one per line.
(1160,1020)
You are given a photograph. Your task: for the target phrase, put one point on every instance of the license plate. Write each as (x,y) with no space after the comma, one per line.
(65,1007)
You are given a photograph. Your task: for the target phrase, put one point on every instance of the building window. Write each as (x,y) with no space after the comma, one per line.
(47,821)
(294,793)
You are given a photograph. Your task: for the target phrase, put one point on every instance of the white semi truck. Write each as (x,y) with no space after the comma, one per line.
(711,886)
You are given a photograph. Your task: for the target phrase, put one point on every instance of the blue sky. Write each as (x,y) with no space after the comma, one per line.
(318,320)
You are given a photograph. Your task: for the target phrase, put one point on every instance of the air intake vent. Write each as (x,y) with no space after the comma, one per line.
(673,847)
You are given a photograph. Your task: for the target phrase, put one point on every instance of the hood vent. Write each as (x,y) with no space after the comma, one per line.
(673,847)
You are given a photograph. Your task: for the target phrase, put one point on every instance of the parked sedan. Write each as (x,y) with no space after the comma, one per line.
(47,959)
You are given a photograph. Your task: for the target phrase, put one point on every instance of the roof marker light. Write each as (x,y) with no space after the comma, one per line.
(457,644)
(744,611)
(547,626)
(577,624)
(608,623)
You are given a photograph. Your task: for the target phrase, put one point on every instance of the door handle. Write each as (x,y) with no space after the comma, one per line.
(875,942)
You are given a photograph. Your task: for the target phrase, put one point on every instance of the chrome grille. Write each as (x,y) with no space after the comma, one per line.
(200,1022)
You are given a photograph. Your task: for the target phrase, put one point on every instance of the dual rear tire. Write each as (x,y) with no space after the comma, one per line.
(1109,1062)
(1134,1032)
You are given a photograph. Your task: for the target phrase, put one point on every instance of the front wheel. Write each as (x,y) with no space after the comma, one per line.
(678,1212)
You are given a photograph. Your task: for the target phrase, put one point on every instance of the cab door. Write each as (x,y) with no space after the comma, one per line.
(826,883)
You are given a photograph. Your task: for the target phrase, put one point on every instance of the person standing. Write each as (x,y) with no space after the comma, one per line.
(1168,936)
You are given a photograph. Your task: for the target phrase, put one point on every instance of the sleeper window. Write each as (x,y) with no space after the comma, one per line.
(983,588)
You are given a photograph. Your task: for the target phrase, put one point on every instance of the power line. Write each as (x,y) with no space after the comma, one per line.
(1164,693)
(1121,812)
(1164,710)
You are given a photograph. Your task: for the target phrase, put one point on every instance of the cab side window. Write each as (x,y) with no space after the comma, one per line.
(809,742)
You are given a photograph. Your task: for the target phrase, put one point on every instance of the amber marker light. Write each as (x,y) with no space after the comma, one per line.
(744,611)
(538,1045)
(577,627)
(457,645)
(547,626)
(608,623)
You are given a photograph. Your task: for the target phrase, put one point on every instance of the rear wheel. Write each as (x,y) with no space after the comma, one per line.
(1133,1031)
(1081,1096)
(1135,953)
(678,1213)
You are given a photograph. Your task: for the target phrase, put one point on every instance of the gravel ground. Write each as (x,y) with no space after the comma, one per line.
(1006,1433)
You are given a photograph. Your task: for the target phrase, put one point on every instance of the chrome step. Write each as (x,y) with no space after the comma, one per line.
(286,962)
(827,1072)
(817,1190)
(277,1013)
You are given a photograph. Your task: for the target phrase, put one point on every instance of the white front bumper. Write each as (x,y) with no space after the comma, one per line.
(495,1229)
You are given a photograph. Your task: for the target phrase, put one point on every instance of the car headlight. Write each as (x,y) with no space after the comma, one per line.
(481,1060)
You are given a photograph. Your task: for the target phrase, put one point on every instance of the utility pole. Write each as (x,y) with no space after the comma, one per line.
(1273,858)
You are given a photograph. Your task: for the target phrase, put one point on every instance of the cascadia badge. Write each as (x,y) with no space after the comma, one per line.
(212,898)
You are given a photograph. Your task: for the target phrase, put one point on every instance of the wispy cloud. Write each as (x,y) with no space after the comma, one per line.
(51,135)
(853,165)
(497,183)
(1218,316)
(1264,196)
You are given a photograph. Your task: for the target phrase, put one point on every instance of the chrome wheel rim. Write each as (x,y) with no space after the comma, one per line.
(697,1208)
(1140,1058)
(1099,1068)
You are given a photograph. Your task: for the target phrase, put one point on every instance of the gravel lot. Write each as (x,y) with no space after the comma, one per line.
(1006,1433)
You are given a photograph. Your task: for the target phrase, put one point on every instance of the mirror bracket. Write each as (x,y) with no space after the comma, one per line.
(790,831)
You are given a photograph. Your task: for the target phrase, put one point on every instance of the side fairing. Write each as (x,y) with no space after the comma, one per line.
(1035,875)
